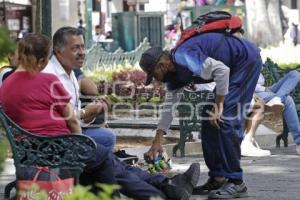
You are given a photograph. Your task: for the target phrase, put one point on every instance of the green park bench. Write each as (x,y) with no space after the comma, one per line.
(272,74)
(190,112)
(98,57)
(68,152)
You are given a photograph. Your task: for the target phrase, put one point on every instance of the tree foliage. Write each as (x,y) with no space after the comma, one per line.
(7,45)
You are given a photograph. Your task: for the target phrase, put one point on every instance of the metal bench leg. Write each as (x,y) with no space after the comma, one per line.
(175,148)
(283,136)
(181,144)
(182,149)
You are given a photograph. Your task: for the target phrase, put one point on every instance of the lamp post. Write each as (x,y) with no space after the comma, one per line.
(46,18)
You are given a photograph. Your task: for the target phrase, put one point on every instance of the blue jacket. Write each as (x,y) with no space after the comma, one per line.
(235,52)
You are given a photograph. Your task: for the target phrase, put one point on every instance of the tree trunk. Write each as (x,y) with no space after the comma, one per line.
(275,21)
(264,22)
(258,23)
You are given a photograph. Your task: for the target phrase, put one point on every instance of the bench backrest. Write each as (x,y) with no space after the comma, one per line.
(97,57)
(68,151)
(190,109)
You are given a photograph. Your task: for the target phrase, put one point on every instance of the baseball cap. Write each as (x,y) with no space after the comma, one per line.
(148,61)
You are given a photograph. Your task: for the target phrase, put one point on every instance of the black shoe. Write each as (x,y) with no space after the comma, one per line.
(192,175)
(210,185)
(181,186)
(127,158)
(229,191)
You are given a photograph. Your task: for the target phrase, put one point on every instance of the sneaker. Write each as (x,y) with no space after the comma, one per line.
(210,185)
(127,158)
(181,185)
(298,149)
(229,191)
(275,105)
(254,142)
(274,101)
(249,150)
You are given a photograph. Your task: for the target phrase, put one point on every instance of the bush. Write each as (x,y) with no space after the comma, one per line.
(106,74)
(289,65)
(81,192)
(7,45)
(285,53)
(127,86)
(3,151)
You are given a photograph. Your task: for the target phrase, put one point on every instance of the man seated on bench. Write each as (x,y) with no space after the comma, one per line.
(39,103)
(68,53)
(277,96)
(89,92)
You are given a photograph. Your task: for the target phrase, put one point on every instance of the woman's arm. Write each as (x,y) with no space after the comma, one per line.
(71,119)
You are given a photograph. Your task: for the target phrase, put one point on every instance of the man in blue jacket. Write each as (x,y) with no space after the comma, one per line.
(234,64)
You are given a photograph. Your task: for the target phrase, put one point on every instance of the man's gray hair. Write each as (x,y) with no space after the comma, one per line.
(60,37)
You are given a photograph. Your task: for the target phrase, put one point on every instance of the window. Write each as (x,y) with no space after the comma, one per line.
(294,4)
(141,7)
(96,5)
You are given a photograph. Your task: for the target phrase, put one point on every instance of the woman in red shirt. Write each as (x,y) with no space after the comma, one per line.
(37,101)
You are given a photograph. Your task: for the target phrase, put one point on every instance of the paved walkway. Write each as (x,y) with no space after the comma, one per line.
(270,178)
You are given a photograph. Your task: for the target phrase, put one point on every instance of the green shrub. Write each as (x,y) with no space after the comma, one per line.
(3,151)
(3,62)
(81,192)
(289,65)
(7,45)
(285,53)
(106,74)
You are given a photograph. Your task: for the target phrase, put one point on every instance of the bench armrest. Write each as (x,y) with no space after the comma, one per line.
(68,151)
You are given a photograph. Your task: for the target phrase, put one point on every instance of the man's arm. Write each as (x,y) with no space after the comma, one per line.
(219,72)
(89,90)
(172,97)
(87,87)
(166,115)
